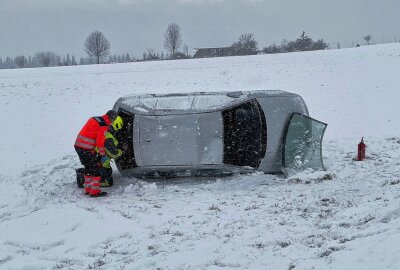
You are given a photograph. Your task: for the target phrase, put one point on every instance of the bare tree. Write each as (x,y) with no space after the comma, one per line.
(97,46)
(46,59)
(368,38)
(151,55)
(20,61)
(172,39)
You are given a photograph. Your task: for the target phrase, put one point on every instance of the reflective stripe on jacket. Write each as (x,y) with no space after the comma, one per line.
(87,137)
(111,145)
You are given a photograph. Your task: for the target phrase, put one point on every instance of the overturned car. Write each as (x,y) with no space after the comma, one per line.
(217,133)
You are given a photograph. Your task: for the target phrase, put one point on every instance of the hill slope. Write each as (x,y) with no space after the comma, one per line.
(344,218)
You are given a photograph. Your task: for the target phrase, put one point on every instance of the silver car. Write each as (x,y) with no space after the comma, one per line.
(217,133)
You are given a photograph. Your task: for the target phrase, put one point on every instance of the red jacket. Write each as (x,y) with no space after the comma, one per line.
(101,138)
(87,137)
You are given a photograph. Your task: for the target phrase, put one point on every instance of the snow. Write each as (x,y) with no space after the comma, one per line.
(344,218)
(194,102)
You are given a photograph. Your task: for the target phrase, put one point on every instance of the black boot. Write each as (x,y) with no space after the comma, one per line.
(79,177)
(101,194)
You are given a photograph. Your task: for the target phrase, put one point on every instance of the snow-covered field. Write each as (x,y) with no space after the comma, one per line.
(344,218)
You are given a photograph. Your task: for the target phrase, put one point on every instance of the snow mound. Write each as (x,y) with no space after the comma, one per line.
(324,220)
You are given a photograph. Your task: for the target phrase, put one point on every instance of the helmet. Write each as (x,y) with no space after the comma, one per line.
(111,114)
(118,123)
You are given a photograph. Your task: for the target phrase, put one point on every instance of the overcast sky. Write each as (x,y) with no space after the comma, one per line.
(133,26)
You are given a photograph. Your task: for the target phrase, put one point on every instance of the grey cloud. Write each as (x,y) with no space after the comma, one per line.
(135,25)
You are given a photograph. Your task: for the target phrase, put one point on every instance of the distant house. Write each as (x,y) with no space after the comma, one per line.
(213,52)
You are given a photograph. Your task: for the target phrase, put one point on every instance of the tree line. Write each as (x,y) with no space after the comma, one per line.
(40,59)
(98,48)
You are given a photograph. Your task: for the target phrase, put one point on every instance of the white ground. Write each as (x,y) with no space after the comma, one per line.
(344,218)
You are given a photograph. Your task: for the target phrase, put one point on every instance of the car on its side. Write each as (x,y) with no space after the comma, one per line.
(217,133)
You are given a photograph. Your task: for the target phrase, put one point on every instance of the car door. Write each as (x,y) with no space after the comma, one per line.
(302,144)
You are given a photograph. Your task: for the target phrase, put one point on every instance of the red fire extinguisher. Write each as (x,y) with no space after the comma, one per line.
(361,150)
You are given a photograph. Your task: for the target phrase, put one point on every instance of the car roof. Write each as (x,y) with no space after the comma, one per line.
(192,102)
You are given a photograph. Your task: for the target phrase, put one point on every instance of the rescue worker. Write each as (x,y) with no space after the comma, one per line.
(85,145)
(108,149)
(111,151)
